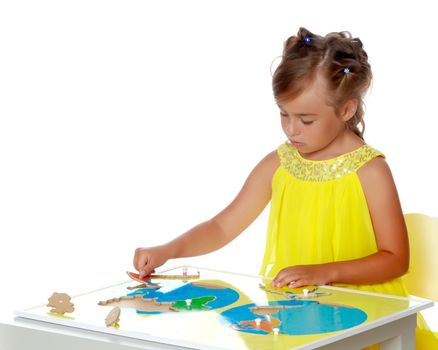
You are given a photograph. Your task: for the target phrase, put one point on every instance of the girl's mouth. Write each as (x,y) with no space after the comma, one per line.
(296,143)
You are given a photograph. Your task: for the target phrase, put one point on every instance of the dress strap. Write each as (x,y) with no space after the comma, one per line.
(324,170)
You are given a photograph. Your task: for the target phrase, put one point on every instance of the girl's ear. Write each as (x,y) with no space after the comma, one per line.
(349,109)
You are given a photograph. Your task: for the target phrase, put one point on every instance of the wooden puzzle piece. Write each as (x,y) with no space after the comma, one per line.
(113,317)
(309,295)
(136,277)
(139,303)
(192,304)
(306,294)
(60,303)
(275,291)
(145,286)
(184,277)
(271,309)
(267,325)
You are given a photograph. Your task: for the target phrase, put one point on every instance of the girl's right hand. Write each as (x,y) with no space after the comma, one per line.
(147,259)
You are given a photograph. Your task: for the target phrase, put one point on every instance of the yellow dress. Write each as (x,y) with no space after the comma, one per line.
(319,214)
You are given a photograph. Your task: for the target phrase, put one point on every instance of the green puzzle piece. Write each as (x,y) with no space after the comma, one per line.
(196,304)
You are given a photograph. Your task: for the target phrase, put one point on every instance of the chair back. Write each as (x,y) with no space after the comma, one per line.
(422,278)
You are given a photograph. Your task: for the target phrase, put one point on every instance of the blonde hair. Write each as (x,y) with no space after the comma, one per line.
(340,59)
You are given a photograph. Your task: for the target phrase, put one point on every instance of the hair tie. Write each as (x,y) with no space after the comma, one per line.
(347,70)
(308,39)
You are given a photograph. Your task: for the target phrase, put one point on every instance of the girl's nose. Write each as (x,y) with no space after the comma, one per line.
(292,127)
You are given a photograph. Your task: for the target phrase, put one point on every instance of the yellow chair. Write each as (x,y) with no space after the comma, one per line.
(422,278)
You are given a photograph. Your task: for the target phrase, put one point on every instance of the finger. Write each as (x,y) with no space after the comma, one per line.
(283,278)
(146,269)
(287,281)
(298,284)
(143,264)
(277,279)
(293,284)
(135,259)
(137,256)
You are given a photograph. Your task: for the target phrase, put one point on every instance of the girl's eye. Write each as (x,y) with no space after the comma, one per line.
(283,114)
(307,122)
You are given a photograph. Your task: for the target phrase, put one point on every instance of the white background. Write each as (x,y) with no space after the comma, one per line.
(125,123)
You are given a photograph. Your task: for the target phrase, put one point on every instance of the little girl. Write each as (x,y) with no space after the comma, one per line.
(335,216)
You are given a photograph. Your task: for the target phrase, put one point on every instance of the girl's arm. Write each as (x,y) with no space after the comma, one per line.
(222,228)
(392,257)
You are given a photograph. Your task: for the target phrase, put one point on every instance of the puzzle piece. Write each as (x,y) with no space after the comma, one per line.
(192,304)
(138,278)
(309,295)
(267,325)
(306,294)
(113,317)
(138,303)
(60,303)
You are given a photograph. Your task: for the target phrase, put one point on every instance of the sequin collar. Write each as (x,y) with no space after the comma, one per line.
(324,170)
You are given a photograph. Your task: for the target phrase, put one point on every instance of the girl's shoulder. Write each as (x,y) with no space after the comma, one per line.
(374,167)
(270,162)
(265,168)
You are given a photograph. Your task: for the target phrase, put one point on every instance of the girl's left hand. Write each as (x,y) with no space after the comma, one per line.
(302,275)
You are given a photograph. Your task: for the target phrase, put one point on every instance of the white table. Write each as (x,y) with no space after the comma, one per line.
(394,330)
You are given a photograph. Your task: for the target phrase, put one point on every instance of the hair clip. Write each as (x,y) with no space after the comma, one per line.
(347,70)
(307,39)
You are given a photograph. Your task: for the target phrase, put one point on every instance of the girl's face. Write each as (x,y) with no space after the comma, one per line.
(310,124)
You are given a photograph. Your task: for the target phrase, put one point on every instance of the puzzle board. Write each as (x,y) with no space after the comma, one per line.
(223,310)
